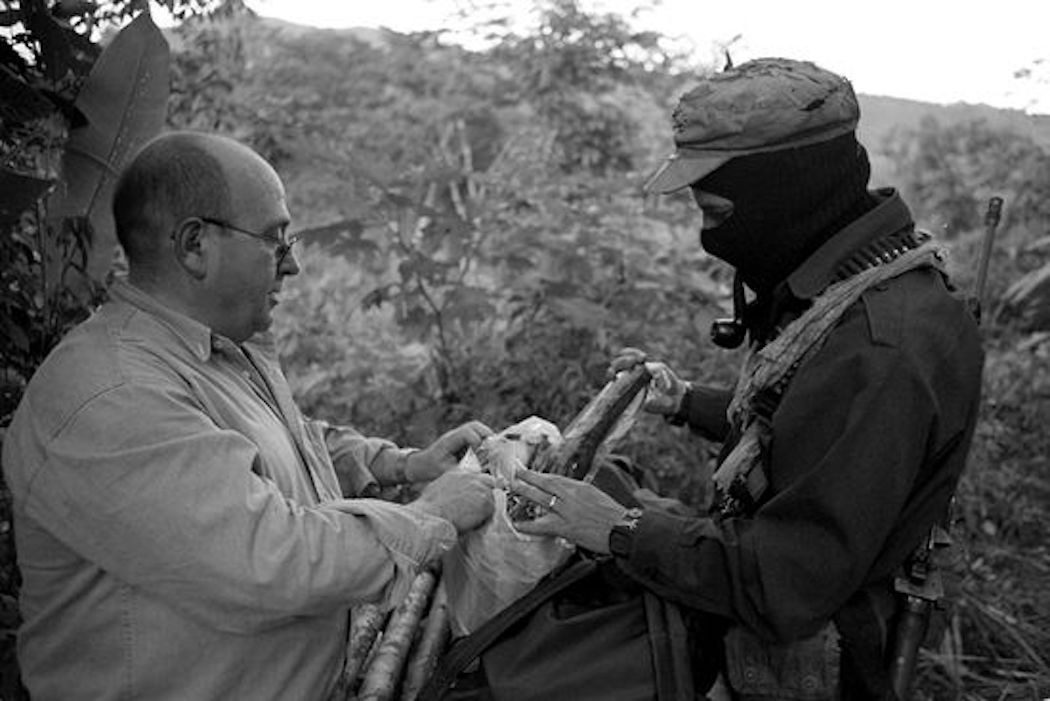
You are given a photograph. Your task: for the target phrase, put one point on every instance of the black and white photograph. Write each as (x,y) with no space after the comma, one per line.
(490,350)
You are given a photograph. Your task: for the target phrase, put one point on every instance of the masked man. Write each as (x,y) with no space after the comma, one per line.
(848,430)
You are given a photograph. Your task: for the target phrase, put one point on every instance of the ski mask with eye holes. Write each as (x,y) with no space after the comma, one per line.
(776,138)
(786,204)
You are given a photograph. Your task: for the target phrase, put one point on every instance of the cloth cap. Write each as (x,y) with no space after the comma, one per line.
(764,105)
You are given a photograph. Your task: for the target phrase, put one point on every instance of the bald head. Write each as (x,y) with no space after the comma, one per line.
(178,175)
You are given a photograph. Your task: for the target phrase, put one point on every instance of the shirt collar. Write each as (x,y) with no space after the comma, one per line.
(197,336)
(815,274)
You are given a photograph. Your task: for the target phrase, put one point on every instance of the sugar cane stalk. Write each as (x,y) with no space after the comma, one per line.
(382,676)
(582,438)
(585,434)
(366,621)
(431,645)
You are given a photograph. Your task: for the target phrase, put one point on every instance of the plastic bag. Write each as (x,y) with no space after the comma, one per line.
(493,566)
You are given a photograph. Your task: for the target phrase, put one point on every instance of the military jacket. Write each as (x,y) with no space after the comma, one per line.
(868,444)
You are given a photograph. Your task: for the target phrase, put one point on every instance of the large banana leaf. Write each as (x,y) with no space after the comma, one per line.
(124,100)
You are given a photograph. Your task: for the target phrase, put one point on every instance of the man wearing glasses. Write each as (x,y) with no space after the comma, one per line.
(182,531)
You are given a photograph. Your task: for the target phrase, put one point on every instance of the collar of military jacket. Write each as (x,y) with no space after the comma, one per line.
(818,271)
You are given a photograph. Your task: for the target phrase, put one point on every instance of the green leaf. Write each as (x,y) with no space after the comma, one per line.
(22,103)
(9,18)
(469,304)
(55,51)
(349,227)
(345,238)
(20,192)
(1030,296)
(16,335)
(580,313)
(407,269)
(124,100)
(376,297)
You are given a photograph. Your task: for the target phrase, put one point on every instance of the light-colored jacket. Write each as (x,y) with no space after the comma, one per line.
(179,525)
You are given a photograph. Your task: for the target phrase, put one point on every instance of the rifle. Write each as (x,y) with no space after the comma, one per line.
(920,586)
(991,223)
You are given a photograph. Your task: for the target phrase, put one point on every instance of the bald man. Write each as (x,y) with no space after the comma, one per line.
(182,531)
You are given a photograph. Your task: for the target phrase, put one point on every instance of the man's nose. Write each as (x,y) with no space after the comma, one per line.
(289,265)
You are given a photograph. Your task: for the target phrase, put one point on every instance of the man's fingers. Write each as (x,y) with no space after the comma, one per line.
(543,482)
(485,478)
(659,380)
(530,492)
(477,430)
(626,359)
(544,525)
(469,435)
(636,355)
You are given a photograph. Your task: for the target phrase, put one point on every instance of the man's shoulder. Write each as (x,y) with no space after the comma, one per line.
(916,305)
(84,364)
(105,353)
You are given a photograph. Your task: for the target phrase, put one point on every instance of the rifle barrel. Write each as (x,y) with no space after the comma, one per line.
(991,223)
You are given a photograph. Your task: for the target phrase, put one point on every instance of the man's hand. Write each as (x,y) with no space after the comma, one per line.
(579,512)
(464,498)
(666,389)
(444,453)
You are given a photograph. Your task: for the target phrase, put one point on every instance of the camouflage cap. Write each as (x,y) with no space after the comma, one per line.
(767,104)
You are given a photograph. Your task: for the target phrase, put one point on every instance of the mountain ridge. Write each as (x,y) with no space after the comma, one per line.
(879,113)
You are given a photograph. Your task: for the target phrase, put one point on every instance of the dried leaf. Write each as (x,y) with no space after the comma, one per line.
(1030,297)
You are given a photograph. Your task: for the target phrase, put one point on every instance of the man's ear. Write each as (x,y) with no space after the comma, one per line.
(191,248)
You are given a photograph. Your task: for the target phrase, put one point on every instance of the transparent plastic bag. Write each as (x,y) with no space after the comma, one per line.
(493,566)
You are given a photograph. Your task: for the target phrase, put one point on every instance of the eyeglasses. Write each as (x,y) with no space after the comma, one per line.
(284,247)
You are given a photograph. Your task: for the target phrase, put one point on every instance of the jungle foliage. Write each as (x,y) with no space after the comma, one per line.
(477,248)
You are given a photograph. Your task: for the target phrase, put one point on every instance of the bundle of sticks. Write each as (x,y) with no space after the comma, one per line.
(391,655)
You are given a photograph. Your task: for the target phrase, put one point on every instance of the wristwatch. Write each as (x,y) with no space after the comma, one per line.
(622,534)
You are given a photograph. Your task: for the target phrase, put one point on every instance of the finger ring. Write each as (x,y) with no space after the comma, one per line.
(552,502)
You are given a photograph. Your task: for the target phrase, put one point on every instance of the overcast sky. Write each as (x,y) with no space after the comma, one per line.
(940,51)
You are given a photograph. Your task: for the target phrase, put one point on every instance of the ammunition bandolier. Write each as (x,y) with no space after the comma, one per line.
(740,479)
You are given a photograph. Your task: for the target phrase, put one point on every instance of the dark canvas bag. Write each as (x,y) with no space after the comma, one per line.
(584,632)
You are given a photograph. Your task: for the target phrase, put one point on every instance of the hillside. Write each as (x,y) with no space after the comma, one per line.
(880,115)
(883,116)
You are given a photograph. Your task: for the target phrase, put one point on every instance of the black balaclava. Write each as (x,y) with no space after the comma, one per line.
(786,204)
